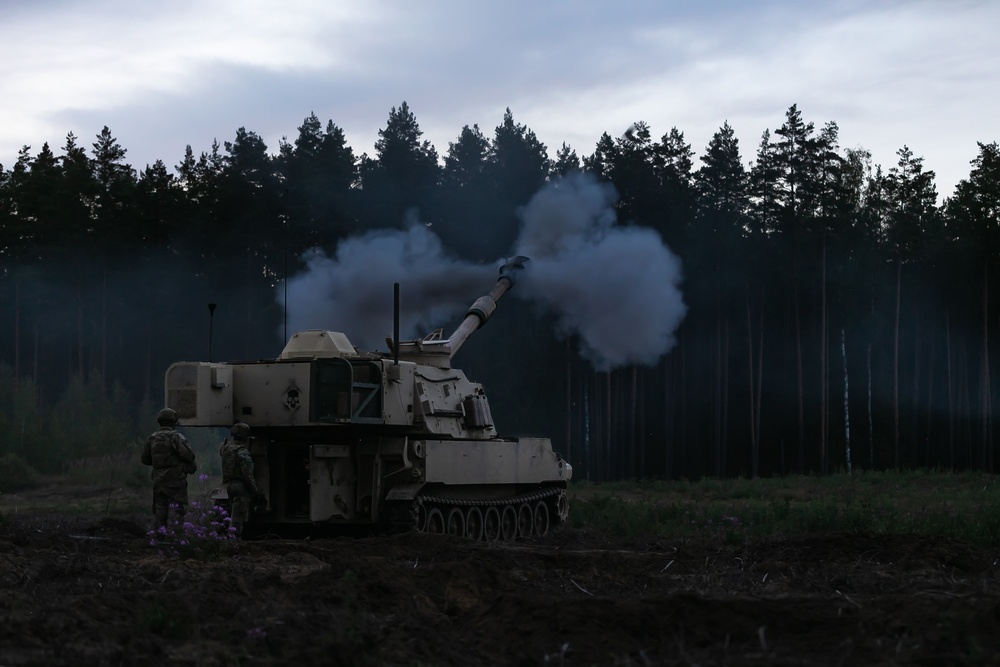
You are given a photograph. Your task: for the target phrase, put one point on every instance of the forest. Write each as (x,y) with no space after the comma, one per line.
(836,314)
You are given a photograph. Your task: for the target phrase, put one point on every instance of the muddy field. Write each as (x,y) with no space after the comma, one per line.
(90,590)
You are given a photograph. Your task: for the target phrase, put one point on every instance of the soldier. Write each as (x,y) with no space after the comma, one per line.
(172,460)
(237,475)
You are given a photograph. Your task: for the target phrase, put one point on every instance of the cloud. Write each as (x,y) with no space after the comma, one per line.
(98,58)
(891,73)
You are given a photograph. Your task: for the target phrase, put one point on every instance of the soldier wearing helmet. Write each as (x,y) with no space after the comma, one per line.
(237,475)
(172,460)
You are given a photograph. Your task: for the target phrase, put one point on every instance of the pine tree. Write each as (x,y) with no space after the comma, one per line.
(402,179)
(973,224)
(468,199)
(320,173)
(722,188)
(567,161)
(910,218)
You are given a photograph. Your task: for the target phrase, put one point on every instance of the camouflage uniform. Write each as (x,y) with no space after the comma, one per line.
(237,475)
(172,460)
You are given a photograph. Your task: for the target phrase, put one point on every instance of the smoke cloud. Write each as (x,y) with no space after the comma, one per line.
(351,292)
(616,287)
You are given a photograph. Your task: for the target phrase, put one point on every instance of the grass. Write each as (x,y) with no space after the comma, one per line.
(112,485)
(960,505)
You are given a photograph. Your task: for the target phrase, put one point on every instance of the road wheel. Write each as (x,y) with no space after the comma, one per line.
(541,516)
(491,524)
(508,523)
(474,523)
(525,519)
(435,522)
(455,525)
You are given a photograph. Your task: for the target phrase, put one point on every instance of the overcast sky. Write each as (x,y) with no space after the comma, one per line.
(165,75)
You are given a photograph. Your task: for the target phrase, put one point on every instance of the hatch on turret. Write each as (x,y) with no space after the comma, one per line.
(318,344)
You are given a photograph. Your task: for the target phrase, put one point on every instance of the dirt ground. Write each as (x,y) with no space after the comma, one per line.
(92,591)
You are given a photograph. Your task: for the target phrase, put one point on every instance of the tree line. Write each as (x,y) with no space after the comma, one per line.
(839,317)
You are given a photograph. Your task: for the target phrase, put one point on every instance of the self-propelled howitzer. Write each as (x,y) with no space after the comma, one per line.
(341,437)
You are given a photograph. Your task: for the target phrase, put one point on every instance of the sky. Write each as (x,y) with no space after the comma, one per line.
(166,75)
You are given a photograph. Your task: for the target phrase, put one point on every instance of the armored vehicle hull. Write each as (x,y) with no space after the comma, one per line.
(343,438)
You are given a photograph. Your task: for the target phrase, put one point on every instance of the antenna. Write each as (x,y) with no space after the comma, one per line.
(211,316)
(284,220)
(395,323)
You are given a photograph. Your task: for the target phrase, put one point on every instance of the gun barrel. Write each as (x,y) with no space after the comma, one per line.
(483,308)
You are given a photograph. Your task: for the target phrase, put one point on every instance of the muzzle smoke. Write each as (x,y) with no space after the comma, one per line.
(617,288)
(352,291)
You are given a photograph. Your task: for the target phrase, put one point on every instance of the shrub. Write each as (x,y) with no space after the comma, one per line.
(16,474)
(206,531)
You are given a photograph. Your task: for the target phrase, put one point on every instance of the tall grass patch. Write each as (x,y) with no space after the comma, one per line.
(960,505)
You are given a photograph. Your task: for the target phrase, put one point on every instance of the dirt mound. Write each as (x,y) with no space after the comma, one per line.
(95,592)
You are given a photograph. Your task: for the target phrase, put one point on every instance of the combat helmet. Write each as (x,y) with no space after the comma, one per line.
(240,431)
(166,416)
